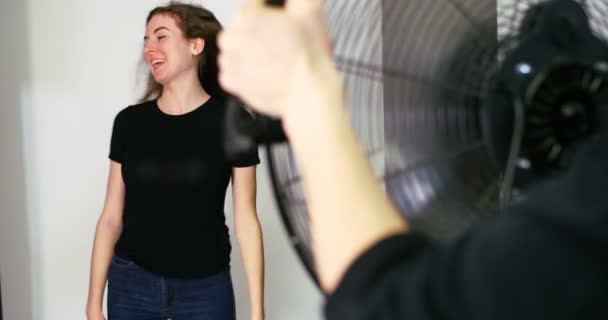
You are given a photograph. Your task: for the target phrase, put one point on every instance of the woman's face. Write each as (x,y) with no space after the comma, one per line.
(166,51)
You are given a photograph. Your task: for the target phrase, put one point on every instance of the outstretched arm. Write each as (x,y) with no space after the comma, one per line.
(349,211)
(541,261)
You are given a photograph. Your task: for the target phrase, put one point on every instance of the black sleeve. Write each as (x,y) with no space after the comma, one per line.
(545,258)
(119,135)
(249,156)
(247,159)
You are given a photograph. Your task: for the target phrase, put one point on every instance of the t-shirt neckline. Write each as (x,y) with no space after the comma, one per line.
(203,106)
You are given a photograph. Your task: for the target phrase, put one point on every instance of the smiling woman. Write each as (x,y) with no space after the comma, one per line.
(161,242)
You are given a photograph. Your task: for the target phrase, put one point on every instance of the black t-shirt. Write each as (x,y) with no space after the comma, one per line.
(176,175)
(545,258)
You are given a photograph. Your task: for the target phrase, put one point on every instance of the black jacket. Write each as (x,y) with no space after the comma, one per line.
(545,258)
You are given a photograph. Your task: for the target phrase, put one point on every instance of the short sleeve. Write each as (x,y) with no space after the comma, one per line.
(118,139)
(248,155)
(248,158)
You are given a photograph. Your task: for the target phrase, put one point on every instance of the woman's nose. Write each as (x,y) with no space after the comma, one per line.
(149,47)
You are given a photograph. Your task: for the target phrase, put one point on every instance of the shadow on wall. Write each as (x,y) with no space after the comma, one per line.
(15,254)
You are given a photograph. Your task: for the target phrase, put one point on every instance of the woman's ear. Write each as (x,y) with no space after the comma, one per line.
(198,45)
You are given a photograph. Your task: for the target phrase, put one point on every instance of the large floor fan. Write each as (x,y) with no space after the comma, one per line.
(460,104)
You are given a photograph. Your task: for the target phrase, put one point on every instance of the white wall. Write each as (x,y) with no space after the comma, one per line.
(67,68)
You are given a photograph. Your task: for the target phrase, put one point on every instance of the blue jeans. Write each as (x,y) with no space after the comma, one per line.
(136,294)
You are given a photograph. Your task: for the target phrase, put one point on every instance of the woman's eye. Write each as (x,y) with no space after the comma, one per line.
(161,37)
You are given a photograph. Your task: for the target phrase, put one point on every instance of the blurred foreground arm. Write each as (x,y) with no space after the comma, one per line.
(543,260)
(349,211)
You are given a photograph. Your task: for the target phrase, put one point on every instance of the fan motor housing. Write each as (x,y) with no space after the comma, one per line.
(557,74)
